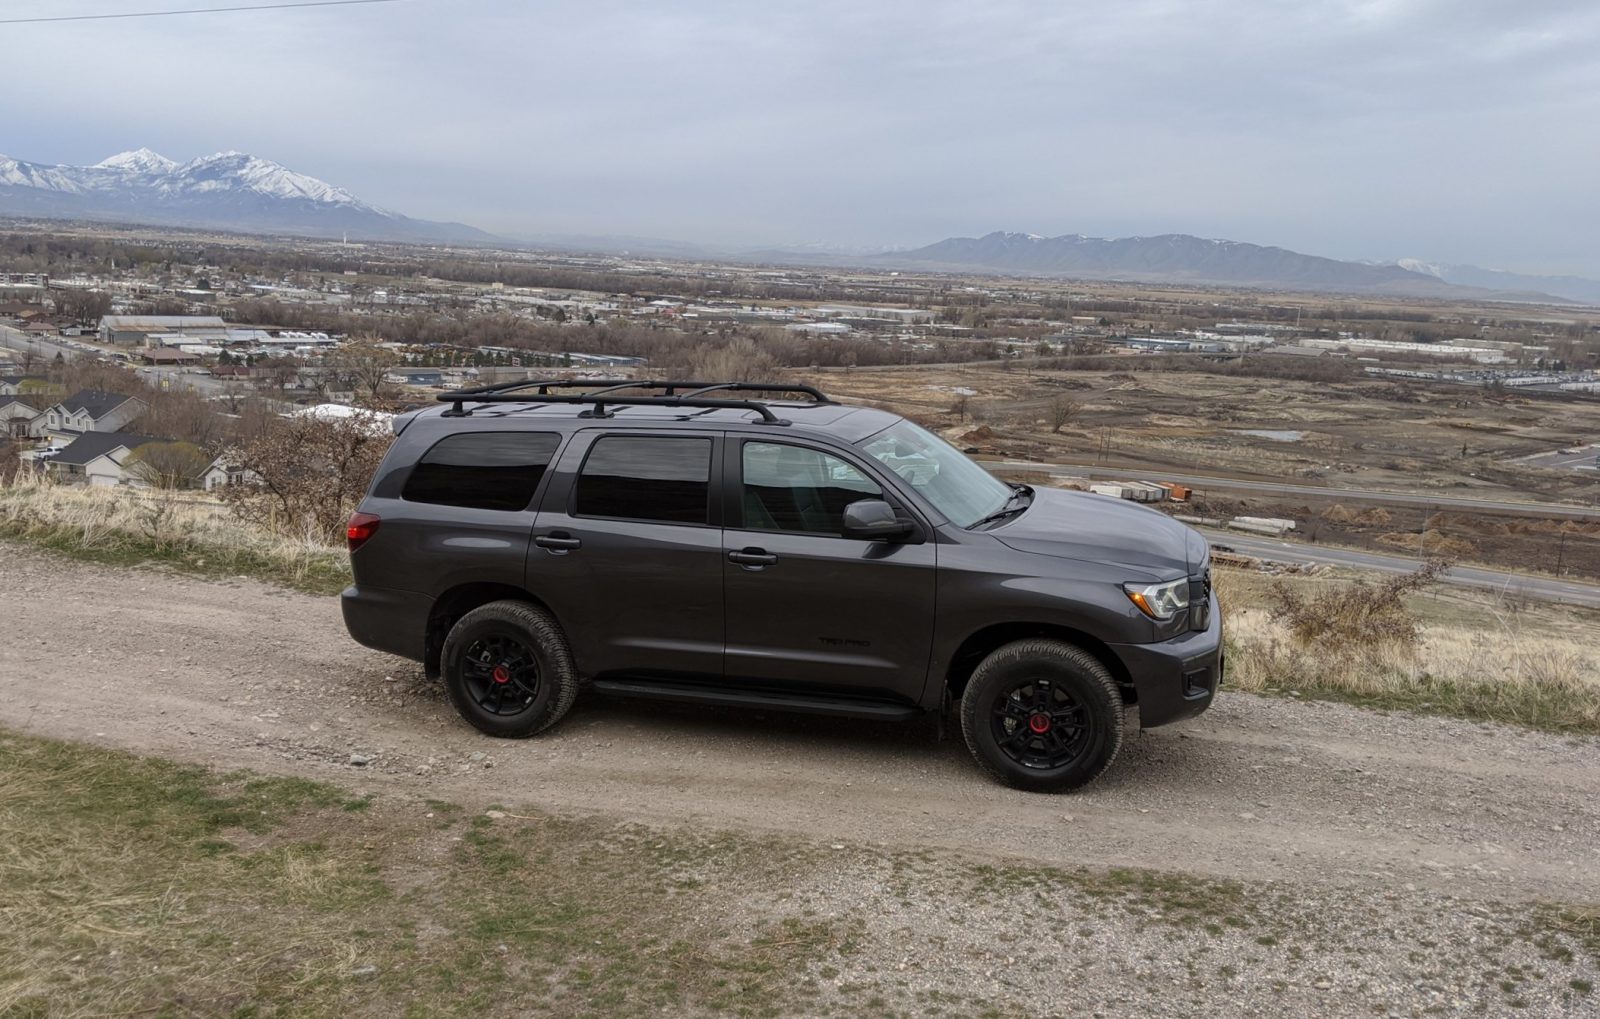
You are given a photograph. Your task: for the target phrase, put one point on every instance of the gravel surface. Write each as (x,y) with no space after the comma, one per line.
(1402,854)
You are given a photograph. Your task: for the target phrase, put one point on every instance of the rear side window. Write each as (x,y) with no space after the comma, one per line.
(482,470)
(647,477)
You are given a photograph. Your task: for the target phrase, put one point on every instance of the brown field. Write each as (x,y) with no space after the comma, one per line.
(1382,435)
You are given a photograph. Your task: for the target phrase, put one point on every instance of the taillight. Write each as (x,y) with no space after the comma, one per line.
(362,526)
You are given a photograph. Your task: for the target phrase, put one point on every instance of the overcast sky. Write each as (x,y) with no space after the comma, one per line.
(1451,130)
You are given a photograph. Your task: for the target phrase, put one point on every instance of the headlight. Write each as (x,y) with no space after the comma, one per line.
(1160,601)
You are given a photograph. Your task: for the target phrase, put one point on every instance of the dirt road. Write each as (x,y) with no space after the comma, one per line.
(241,674)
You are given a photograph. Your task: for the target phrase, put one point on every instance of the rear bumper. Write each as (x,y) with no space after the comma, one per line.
(387,620)
(1176,679)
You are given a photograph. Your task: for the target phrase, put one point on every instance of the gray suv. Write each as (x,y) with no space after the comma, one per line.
(686,541)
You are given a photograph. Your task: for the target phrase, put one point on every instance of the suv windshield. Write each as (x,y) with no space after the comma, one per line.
(964,492)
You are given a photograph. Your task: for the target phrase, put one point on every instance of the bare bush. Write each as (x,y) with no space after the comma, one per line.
(739,360)
(167,465)
(307,474)
(1357,616)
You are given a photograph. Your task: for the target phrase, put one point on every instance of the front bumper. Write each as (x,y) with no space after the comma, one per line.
(1176,679)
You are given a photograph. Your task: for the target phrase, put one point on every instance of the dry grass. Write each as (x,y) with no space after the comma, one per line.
(188,531)
(1473,657)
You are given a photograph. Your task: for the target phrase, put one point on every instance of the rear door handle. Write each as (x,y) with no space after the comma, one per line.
(753,557)
(559,541)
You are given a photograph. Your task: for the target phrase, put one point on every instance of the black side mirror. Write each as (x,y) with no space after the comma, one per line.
(874,520)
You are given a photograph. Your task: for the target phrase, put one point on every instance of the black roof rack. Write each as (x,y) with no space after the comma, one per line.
(605,390)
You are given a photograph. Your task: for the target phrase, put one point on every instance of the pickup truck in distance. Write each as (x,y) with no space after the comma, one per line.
(685,541)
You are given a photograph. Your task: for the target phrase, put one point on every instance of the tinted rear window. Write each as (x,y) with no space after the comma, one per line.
(482,470)
(647,477)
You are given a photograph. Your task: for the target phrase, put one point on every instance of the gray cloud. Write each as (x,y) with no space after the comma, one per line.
(1456,130)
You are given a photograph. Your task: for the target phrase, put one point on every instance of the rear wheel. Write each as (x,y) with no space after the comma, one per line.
(507,669)
(1042,715)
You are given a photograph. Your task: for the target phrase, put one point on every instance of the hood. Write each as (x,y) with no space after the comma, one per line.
(1103,529)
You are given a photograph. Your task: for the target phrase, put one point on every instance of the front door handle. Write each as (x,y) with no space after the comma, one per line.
(558,541)
(753,558)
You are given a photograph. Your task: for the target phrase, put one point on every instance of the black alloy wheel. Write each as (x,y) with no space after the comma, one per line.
(507,669)
(501,674)
(1039,724)
(1042,715)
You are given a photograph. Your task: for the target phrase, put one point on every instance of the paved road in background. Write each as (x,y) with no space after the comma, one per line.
(1516,585)
(1205,481)
(19,342)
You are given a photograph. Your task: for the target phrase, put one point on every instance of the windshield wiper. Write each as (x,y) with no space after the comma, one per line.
(1021,499)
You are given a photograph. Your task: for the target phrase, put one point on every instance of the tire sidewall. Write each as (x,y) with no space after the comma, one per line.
(1095,691)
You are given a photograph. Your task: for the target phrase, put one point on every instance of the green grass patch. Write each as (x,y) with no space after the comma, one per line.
(137,886)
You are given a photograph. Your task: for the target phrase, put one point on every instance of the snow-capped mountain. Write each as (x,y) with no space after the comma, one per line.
(229,190)
(1571,288)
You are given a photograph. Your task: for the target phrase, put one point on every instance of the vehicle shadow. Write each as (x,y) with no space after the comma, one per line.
(855,748)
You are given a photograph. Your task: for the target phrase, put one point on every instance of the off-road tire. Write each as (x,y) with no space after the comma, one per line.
(1078,675)
(557,685)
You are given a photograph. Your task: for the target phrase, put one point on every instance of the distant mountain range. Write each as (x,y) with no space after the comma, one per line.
(238,192)
(227,191)
(1572,288)
(1181,258)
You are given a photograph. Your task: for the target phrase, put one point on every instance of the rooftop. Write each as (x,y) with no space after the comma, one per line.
(92,445)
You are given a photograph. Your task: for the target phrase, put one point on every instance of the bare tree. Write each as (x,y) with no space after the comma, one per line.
(363,364)
(1062,410)
(306,474)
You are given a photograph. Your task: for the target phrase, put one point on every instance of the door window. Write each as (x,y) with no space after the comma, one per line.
(646,477)
(792,488)
(482,470)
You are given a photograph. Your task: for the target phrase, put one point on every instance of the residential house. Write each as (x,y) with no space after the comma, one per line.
(15,385)
(97,458)
(16,417)
(90,410)
(222,472)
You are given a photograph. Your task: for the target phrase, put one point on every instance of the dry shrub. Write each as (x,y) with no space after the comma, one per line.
(1506,670)
(1432,542)
(1339,514)
(309,474)
(1360,615)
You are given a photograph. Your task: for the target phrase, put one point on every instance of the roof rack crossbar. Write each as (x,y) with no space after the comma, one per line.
(599,401)
(504,392)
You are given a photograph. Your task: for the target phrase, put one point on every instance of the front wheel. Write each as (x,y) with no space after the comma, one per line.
(1042,715)
(507,669)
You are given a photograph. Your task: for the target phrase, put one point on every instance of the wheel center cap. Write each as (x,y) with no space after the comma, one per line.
(501,674)
(1039,723)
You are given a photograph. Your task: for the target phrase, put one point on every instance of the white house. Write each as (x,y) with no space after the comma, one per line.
(222,473)
(90,410)
(16,417)
(97,458)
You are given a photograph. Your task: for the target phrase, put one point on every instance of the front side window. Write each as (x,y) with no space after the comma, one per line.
(647,477)
(964,492)
(792,488)
(480,470)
